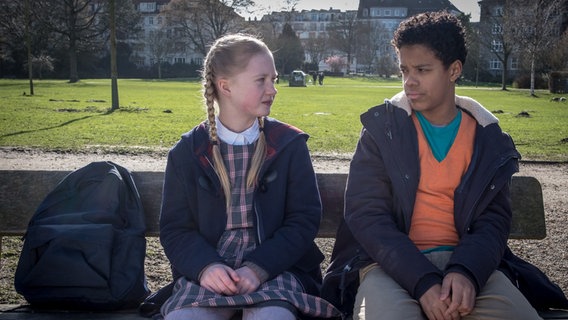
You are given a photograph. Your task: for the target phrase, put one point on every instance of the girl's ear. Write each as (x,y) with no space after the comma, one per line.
(223,86)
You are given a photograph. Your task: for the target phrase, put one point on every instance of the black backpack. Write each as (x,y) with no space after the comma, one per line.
(85,245)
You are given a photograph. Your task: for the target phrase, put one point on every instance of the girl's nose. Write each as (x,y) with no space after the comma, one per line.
(272,89)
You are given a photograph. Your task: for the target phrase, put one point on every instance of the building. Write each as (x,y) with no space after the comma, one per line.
(375,23)
(511,31)
(159,42)
(374,20)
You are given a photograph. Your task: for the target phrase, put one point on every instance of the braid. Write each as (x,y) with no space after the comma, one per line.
(219,165)
(258,156)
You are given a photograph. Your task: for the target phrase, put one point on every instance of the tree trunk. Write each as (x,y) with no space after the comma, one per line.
(73,75)
(113,66)
(532,76)
(504,74)
(29,47)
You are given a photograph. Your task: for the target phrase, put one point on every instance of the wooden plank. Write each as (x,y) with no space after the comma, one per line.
(21,192)
(17,312)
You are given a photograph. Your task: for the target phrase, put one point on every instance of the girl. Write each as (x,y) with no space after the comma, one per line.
(240,207)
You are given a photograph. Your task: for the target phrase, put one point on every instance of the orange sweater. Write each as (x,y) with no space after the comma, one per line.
(432,222)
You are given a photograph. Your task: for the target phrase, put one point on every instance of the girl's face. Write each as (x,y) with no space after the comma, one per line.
(249,94)
(428,84)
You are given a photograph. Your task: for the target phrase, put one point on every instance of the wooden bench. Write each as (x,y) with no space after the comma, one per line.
(22,191)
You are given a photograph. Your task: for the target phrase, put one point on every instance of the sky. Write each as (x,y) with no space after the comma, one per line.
(263,6)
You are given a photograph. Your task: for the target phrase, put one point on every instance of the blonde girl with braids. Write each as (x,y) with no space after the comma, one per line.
(240,204)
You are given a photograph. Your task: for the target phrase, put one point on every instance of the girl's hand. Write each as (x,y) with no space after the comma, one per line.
(248,280)
(220,279)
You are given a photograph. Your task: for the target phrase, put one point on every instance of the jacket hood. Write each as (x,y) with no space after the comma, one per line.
(483,116)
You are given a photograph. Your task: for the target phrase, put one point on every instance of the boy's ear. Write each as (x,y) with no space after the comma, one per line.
(455,70)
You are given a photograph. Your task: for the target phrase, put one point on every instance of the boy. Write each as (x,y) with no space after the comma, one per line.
(427,208)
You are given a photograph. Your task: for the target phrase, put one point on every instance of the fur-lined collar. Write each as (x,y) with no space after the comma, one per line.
(483,116)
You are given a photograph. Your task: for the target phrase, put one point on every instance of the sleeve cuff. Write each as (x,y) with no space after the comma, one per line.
(260,273)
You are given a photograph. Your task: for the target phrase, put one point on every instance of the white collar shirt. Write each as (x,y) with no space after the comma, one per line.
(248,136)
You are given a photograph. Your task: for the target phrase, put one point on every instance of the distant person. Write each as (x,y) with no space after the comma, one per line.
(240,205)
(314,77)
(427,202)
(320,78)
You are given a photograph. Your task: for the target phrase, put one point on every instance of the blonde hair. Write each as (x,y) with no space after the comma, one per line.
(227,56)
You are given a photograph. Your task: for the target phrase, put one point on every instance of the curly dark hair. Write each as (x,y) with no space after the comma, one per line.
(440,31)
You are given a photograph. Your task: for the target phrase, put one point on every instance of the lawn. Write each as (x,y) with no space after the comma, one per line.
(154,113)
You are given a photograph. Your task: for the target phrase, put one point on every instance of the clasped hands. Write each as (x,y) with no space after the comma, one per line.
(224,280)
(452,300)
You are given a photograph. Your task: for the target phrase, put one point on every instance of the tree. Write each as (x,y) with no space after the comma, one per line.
(535,27)
(42,62)
(343,33)
(29,45)
(160,45)
(289,53)
(558,55)
(471,68)
(113,66)
(373,44)
(79,23)
(336,63)
(495,36)
(316,48)
(202,22)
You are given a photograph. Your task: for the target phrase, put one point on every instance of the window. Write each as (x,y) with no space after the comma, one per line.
(179,60)
(495,65)
(498,11)
(496,46)
(514,63)
(497,29)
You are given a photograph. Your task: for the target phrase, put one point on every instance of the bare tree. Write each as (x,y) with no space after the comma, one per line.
(495,36)
(373,42)
(316,48)
(535,27)
(78,22)
(29,45)
(113,66)
(201,22)
(160,46)
(343,33)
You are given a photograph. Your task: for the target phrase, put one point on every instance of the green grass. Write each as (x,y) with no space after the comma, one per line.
(153,114)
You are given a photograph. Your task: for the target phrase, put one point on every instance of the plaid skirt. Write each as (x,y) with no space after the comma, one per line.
(284,287)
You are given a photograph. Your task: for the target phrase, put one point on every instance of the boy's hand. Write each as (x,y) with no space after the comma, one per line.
(458,289)
(434,307)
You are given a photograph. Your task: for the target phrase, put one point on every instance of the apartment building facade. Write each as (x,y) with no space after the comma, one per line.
(384,15)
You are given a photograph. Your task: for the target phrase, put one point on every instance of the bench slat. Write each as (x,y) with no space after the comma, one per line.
(22,191)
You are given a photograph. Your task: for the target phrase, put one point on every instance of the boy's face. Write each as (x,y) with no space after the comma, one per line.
(429,86)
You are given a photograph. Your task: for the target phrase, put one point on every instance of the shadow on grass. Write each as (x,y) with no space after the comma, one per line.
(52,127)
